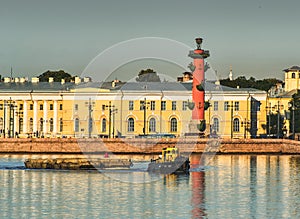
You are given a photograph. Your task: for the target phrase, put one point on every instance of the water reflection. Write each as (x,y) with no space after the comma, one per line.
(236,187)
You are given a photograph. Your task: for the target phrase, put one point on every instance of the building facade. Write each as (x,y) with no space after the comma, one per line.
(52,109)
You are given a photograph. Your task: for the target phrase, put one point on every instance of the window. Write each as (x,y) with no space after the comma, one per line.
(41,124)
(173,125)
(20,125)
(173,105)
(41,106)
(216,106)
(76,107)
(51,124)
(236,106)
(226,106)
(184,105)
(216,125)
(163,105)
(103,107)
(21,107)
(236,125)
(51,106)
(76,125)
(130,106)
(61,125)
(1,106)
(293,75)
(103,126)
(31,107)
(130,127)
(31,124)
(142,105)
(60,107)
(152,125)
(152,105)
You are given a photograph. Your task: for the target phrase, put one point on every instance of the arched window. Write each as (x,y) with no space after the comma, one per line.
(152,125)
(236,125)
(216,125)
(173,125)
(51,124)
(76,125)
(293,75)
(31,124)
(103,125)
(130,127)
(20,125)
(41,124)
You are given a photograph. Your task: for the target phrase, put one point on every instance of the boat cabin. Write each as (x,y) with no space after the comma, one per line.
(170,154)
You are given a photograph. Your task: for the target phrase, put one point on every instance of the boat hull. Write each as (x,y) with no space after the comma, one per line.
(169,167)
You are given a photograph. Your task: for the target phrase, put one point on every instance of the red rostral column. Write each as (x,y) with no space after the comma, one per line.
(198,80)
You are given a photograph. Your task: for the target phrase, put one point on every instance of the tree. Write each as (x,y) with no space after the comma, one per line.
(148,75)
(295,111)
(56,75)
(243,82)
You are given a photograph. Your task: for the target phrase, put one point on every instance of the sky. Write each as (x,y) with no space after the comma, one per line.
(256,38)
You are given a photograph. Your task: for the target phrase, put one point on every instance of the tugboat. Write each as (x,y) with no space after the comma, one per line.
(170,161)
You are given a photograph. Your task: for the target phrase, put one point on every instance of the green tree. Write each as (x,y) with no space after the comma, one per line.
(295,106)
(56,75)
(243,82)
(148,75)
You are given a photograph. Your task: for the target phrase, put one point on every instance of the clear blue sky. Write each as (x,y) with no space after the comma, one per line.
(257,38)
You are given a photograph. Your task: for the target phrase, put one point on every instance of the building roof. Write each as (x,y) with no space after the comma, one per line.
(34,87)
(293,68)
(52,87)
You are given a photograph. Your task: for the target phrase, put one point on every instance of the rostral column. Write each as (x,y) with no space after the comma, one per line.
(198,92)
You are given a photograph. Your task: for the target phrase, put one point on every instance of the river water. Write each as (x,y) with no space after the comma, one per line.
(235,186)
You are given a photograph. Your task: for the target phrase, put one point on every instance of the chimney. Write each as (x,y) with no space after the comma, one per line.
(7,80)
(87,79)
(51,79)
(77,80)
(35,80)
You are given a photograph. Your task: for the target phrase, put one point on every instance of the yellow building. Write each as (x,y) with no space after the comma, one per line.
(90,109)
(279,99)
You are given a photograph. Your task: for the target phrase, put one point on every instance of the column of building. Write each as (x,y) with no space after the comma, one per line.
(35,115)
(25,117)
(55,117)
(45,115)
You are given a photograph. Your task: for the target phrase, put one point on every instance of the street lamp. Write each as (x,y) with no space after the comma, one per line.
(268,108)
(293,108)
(246,124)
(112,111)
(145,105)
(90,121)
(279,107)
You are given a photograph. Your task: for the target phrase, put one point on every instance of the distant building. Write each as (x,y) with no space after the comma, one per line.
(102,109)
(292,78)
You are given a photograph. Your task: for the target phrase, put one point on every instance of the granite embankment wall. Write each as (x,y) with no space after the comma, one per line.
(148,146)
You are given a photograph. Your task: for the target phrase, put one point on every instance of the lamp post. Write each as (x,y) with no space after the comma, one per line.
(268,108)
(292,107)
(246,124)
(145,105)
(231,119)
(90,105)
(278,106)
(111,112)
